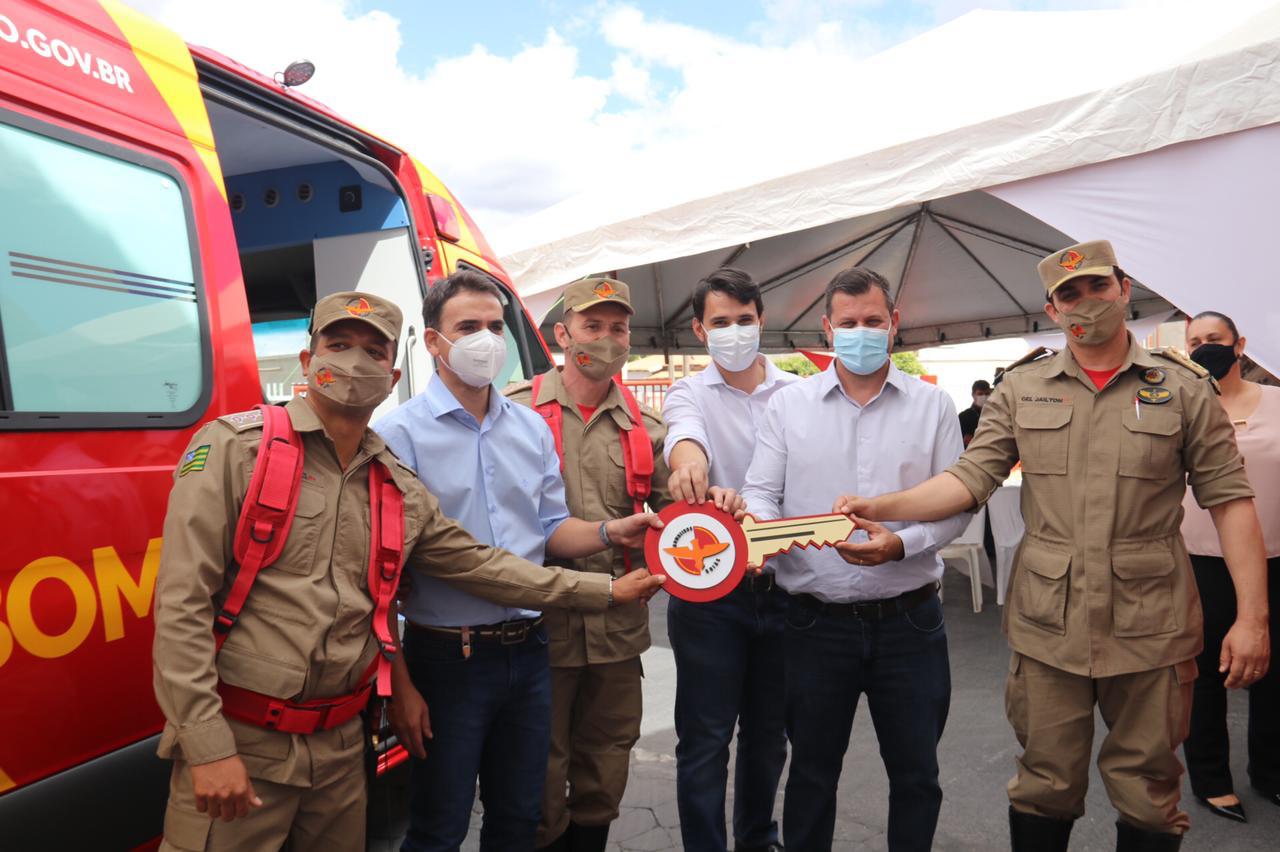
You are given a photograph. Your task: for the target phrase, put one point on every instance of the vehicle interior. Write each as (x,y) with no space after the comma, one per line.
(314,213)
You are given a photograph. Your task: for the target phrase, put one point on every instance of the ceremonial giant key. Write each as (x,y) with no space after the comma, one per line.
(704,552)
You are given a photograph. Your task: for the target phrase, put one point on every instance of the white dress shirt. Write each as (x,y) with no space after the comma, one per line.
(721,419)
(816,444)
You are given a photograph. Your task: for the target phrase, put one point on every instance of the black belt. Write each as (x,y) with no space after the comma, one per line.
(870,610)
(506,633)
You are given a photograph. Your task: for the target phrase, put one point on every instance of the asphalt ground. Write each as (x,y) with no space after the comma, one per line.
(976,758)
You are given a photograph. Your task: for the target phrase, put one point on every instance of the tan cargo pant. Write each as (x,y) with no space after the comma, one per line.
(329,815)
(595,721)
(1147,715)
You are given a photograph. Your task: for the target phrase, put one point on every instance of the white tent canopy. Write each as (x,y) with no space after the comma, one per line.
(1174,162)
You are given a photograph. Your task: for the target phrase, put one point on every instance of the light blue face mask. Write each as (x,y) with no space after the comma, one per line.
(862,350)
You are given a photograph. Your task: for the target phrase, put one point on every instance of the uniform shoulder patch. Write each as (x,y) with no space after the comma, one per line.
(1180,358)
(243,420)
(517,389)
(1177,356)
(1031,357)
(194,460)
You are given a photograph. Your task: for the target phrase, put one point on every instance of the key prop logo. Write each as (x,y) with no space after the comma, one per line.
(701,550)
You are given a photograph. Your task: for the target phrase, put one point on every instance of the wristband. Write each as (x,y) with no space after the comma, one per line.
(604,534)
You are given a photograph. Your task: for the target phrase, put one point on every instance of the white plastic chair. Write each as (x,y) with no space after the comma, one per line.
(968,547)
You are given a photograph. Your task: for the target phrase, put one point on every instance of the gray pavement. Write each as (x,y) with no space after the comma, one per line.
(976,757)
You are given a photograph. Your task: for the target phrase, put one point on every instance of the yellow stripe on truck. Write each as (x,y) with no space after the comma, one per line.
(165,58)
(432,184)
(6,783)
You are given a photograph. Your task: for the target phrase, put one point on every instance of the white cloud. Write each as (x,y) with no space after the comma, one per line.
(514,134)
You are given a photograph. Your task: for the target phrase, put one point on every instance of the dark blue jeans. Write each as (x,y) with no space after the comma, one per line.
(901,664)
(490,717)
(728,671)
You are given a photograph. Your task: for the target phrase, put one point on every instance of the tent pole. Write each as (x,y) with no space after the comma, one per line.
(728,261)
(662,317)
(979,263)
(911,252)
(987,233)
(822,260)
(863,260)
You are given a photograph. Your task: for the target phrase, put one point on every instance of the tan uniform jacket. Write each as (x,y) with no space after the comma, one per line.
(595,487)
(305,631)
(1102,584)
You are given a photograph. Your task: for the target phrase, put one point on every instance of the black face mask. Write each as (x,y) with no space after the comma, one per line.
(1217,358)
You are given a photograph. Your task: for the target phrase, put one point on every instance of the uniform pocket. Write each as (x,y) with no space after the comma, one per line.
(299,552)
(186,830)
(616,488)
(1041,585)
(267,675)
(1149,444)
(1142,593)
(1043,437)
(630,616)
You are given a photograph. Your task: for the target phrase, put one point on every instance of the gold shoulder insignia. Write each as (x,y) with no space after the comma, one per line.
(1177,356)
(1032,356)
(242,421)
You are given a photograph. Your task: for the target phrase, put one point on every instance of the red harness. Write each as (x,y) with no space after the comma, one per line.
(637,452)
(261,532)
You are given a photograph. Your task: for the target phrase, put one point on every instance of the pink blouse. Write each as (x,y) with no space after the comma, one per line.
(1259,442)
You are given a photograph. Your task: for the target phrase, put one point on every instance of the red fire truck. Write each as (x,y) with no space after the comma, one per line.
(167,218)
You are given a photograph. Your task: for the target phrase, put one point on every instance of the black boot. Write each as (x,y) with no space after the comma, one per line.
(586,838)
(1132,839)
(1035,833)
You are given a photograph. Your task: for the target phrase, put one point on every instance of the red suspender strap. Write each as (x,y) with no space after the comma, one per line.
(267,514)
(553,414)
(637,452)
(386,546)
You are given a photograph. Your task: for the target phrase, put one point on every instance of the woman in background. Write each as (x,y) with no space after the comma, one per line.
(1254,410)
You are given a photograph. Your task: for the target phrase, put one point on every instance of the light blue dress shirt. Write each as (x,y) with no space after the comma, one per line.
(816,444)
(500,479)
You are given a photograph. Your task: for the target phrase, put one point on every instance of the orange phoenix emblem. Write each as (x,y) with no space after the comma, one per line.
(359,307)
(705,545)
(583,359)
(604,290)
(1071,260)
(324,377)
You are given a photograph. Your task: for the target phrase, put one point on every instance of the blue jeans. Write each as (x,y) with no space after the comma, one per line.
(728,671)
(901,663)
(490,717)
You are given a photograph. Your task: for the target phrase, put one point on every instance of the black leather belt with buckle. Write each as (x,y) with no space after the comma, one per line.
(506,633)
(870,610)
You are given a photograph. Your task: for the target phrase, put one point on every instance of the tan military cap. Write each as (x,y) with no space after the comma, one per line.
(588,292)
(377,312)
(1077,261)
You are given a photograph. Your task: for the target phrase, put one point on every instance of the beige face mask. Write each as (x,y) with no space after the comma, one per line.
(1093,321)
(349,378)
(598,359)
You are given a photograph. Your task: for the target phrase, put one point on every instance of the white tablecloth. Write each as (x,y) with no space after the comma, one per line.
(1005,510)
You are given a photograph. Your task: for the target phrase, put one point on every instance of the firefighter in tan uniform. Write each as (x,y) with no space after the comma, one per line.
(1103,607)
(595,657)
(305,630)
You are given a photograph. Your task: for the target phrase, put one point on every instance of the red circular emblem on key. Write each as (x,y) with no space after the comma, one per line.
(701,550)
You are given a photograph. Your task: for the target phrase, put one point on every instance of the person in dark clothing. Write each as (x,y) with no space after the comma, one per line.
(969,417)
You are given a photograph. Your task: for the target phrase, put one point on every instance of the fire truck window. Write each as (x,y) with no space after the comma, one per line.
(98,305)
